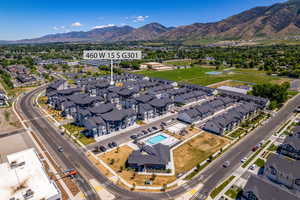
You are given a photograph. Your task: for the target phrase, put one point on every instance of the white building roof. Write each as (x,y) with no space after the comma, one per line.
(15,181)
(233,89)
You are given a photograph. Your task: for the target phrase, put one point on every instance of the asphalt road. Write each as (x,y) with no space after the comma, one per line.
(211,176)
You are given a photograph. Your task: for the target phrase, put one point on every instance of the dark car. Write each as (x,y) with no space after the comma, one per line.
(114,144)
(149,129)
(154,128)
(144,131)
(133,137)
(110,145)
(255,148)
(140,134)
(102,148)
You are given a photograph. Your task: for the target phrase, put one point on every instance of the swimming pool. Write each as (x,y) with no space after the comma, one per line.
(213,73)
(156,139)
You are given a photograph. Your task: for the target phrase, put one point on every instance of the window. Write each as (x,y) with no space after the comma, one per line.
(297,182)
(273,171)
(251,196)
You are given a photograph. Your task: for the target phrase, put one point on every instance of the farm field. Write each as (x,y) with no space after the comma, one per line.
(197,75)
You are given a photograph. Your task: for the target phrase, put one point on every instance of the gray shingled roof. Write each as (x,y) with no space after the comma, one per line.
(101,109)
(93,122)
(117,115)
(266,190)
(144,98)
(160,102)
(282,164)
(56,84)
(157,154)
(144,108)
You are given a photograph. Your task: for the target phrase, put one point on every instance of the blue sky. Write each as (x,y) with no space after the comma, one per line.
(21,19)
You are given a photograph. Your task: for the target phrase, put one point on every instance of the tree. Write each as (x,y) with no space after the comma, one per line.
(112,161)
(277,94)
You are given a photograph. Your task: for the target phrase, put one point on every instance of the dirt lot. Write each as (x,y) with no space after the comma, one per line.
(120,159)
(8,120)
(197,150)
(228,83)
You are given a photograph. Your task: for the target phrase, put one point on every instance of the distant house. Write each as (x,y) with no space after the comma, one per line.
(229,120)
(3,98)
(189,116)
(155,157)
(258,188)
(291,145)
(145,111)
(25,78)
(95,127)
(189,97)
(68,109)
(283,171)
(119,119)
(161,106)
(57,85)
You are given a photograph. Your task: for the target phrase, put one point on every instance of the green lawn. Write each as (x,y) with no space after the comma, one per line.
(273,147)
(217,190)
(233,192)
(75,130)
(237,133)
(197,75)
(260,162)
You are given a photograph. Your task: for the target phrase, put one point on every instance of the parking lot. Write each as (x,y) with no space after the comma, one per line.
(12,143)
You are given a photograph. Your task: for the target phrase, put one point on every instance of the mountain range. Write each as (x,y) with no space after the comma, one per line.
(276,21)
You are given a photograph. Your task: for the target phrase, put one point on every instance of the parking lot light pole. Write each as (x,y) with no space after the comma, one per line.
(112,72)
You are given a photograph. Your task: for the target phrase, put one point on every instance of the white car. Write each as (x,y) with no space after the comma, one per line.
(252,167)
(244,159)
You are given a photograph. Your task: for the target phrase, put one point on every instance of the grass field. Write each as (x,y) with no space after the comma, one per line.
(197,75)
(196,150)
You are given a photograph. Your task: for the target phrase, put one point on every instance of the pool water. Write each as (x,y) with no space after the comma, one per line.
(213,73)
(156,139)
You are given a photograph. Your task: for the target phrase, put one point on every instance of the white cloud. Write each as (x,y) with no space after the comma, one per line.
(55,28)
(76,24)
(103,26)
(140,18)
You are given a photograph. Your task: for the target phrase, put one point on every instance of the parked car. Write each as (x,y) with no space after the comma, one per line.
(244,159)
(163,124)
(110,145)
(144,132)
(255,148)
(102,148)
(133,137)
(140,134)
(149,130)
(60,149)
(154,128)
(252,167)
(226,164)
(114,144)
